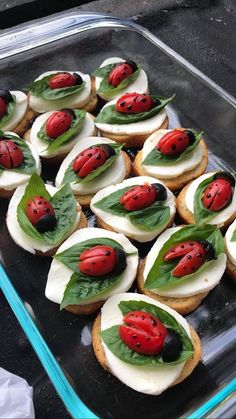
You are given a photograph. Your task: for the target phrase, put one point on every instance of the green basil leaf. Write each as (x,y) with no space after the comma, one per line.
(109,90)
(112,339)
(40,88)
(76,127)
(233,238)
(65,207)
(105,70)
(202,214)
(70,256)
(71,176)
(156,158)
(10,109)
(147,219)
(28,165)
(82,287)
(109,115)
(64,204)
(160,275)
(34,188)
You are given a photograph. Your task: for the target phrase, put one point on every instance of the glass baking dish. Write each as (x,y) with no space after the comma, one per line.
(62,340)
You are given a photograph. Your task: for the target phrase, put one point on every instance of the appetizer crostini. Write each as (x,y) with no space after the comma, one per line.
(184,264)
(93,164)
(15,113)
(18,161)
(89,267)
(175,156)
(54,90)
(55,133)
(230,244)
(145,344)
(140,207)
(132,118)
(210,199)
(40,217)
(117,76)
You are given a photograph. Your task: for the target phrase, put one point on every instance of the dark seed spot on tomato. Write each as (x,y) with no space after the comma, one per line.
(138,344)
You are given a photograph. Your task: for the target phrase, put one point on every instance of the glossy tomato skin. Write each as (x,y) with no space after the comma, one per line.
(41,214)
(90,159)
(173,143)
(64,79)
(11,155)
(134,103)
(217,195)
(119,73)
(58,123)
(143,333)
(101,260)
(142,196)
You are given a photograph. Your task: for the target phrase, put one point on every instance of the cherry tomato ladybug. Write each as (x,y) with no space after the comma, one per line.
(218,194)
(101,260)
(174,142)
(64,79)
(142,196)
(41,214)
(134,103)
(120,72)
(58,123)
(90,159)
(193,255)
(143,333)
(11,155)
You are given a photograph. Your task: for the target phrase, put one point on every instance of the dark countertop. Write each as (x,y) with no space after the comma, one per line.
(201,31)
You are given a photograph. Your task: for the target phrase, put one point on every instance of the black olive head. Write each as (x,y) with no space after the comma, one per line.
(108,150)
(121,262)
(78,79)
(208,248)
(161,191)
(172,347)
(46,223)
(6,95)
(190,135)
(69,111)
(132,64)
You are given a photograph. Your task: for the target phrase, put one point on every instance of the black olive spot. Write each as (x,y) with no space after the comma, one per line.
(41,197)
(138,344)
(142,317)
(147,337)
(173,147)
(134,336)
(182,246)
(122,103)
(184,267)
(103,261)
(34,210)
(47,209)
(90,154)
(193,268)
(29,205)
(189,257)
(153,322)
(135,197)
(208,195)
(98,157)
(129,107)
(93,263)
(190,243)
(107,253)
(58,116)
(39,202)
(144,99)
(199,255)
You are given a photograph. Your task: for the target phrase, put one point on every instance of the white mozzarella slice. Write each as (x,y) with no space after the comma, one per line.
(169,171)
(113,175)
(147,379)
(76,100)
(221,216)
(87,130)
(203,282)
(122,224)
(19,111)
(18,235)
(231,246)
(59,275)
(140,85)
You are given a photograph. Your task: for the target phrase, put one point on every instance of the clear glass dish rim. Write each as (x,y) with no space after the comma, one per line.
(30,36)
